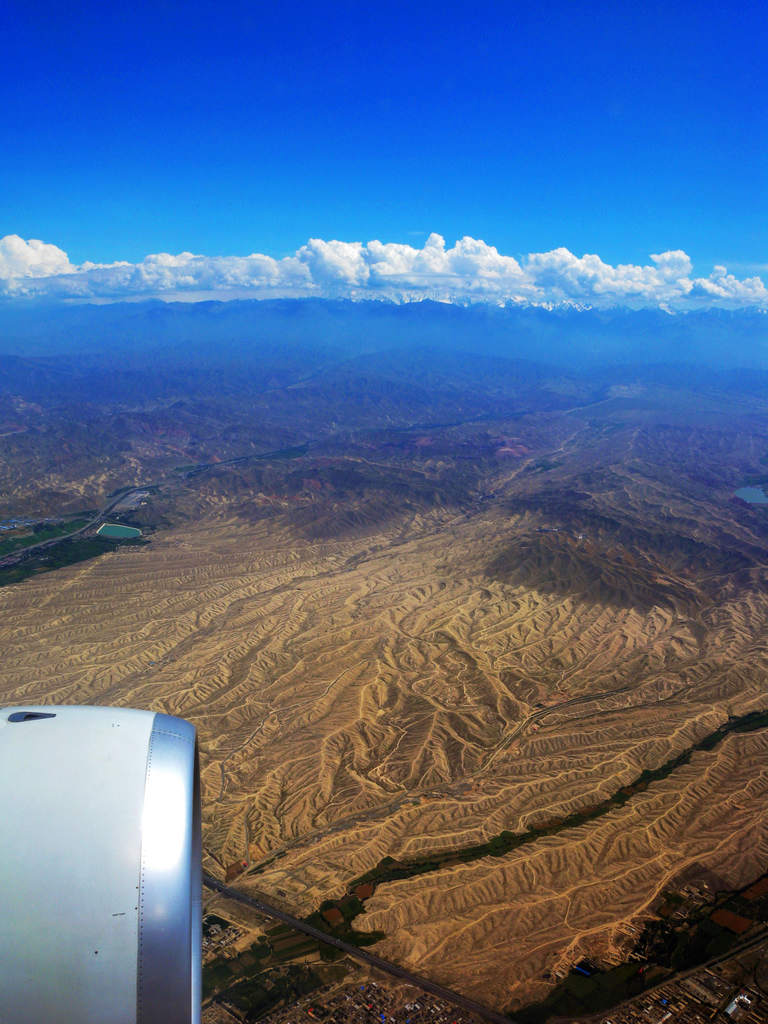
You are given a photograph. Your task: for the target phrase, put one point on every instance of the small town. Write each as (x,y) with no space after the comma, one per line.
(735,989)
(363,1003)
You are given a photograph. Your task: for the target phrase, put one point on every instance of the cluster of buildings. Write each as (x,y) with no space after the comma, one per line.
(726,992)
(130,502)
(217,937)
(368,1003)
(17,524)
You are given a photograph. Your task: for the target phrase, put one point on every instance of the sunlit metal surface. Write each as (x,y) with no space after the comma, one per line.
(164,821)
(100,846)
(169,949)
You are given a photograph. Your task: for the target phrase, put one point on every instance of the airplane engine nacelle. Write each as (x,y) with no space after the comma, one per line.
(99,867)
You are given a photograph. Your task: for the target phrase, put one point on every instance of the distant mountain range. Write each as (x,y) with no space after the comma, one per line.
(288,334)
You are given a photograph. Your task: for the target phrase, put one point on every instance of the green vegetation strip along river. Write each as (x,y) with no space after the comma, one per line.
(67,552)
(38,534)
(390,870)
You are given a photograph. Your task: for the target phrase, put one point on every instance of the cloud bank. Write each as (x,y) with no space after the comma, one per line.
(469,271)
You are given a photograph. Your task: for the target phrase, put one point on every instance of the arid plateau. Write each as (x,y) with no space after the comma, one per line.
(407,636)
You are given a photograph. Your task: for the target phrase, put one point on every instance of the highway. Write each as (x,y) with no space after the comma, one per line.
(356,953)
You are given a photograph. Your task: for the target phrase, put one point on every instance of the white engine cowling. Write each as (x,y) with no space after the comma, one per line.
(99,867)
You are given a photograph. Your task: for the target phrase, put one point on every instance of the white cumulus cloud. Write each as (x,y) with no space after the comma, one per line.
(19,259)
(468,271)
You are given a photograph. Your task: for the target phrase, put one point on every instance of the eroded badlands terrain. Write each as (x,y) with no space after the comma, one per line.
(408,641)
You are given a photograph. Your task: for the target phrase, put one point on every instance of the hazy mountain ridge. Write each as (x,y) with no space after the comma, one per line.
(287,328)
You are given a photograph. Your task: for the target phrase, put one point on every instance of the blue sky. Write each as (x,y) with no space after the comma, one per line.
(227,128)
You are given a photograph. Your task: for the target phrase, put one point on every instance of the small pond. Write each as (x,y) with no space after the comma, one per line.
(754,495)
(115,531)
